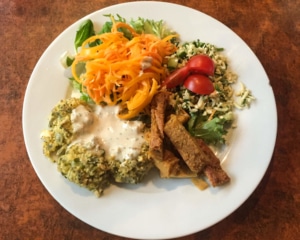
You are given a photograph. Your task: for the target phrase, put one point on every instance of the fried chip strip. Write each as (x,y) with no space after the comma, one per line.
(158,107)
(186,145)
(173,167)
(213,171)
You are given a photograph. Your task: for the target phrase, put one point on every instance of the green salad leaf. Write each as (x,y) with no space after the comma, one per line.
(69,61)
(148,26)
(108,25)
(106,28)
(211,131)
(86,30)
(140,25)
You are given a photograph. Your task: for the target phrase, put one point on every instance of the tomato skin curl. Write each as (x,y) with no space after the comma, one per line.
(176,78)
(199,84)
(202,64)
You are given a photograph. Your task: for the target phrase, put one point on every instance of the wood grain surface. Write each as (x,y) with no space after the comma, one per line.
(272,30)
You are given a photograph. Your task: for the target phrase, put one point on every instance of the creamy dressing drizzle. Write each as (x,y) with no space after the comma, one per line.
(121,139)
(146,63)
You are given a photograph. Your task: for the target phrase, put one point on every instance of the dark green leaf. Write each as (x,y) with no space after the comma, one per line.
(69,61)
(85,31)
(211,131)
(106,27)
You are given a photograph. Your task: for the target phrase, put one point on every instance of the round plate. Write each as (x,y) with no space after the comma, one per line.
(158,208)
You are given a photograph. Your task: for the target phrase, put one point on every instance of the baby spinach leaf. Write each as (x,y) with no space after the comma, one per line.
(86,30)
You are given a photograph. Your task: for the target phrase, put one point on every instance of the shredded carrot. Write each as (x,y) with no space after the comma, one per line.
(123,71)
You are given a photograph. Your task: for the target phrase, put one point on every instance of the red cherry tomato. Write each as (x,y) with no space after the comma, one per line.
(176,78)
(201,64)
(199,84)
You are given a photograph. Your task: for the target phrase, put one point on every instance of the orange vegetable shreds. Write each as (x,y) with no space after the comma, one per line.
(123,71)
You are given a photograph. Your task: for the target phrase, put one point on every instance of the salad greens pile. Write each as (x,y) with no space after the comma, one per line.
(210,114)
(87,30)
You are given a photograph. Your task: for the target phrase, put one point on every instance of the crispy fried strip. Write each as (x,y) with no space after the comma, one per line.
(172,167)
(158,107)
(186,145)
(214,172)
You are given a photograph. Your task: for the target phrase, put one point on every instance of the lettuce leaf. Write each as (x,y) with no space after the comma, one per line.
(148,26)
(86,30)
(140,25)
(211,131)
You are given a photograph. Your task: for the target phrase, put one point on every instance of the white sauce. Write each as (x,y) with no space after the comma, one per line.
(121,139)
(81,118)
(146,63)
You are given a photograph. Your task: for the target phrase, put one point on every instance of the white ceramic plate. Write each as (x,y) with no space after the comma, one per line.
(158,208)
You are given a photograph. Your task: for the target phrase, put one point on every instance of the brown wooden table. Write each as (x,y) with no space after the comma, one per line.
(271,28)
